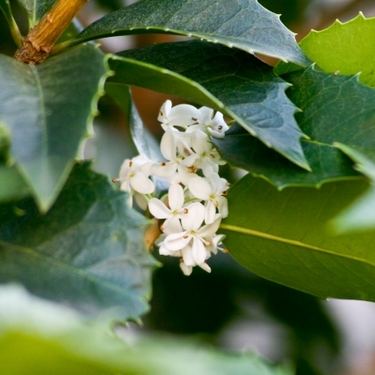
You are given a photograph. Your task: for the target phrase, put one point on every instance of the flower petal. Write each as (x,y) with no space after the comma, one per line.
(168,146)
(164,169)
(194,217)
(198,250)
(164,111)
(209,230)
(187,270)
(177,241)
(205,267)
(141,184)
(223,206)
(200,142)
(183,115)
(210,213)
(206,114)
(125,169)
(187,256)
(176,197)
(200,188)
(158,209)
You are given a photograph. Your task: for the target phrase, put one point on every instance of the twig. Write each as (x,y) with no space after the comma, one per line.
(40,39)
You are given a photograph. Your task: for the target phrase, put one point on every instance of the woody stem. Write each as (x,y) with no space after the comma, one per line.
(40,40)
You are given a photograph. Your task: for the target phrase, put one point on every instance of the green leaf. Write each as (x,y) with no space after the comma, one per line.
(244,24)
(243,151)
(47,110)
(143,140)
(283,237)
(87,252)
(334,108)
(347,48)
(38,337)
(7,10)
(35,9)
(230,80)
(13,185)
(360,215)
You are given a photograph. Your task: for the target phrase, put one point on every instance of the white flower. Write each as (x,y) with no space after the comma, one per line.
(193,238)
(187,270)
(193,209)
(174,169)
(134,175)
(205,156)
(215,125)
(174,212)
(211,190)
(181,115)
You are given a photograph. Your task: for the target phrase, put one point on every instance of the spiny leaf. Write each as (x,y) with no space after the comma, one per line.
(334,108)
(230,80)
(242,24)
(38,337)
(243,151)
(347,48)
(87,252)
(48,109)
(283,236)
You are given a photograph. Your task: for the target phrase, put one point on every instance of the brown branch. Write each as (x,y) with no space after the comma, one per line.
(39,41)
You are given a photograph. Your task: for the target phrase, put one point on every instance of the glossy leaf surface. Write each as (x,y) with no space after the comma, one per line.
(243,151)
(87,252)
(335,108)
(47,110)
(283,236)
(235,82)
(243,24)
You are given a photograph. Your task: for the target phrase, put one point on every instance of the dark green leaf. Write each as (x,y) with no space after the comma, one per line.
(6,9)
(360,215)
(242,150)
(230,80)
(48,109)
(334,109)
(12,184)
(283,237)
(35,9)
(38,337)
(243,24)
(87,251)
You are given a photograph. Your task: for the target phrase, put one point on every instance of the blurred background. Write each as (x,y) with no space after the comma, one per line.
(232,308)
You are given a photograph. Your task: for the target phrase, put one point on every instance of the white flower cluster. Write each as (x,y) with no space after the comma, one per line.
(195,203)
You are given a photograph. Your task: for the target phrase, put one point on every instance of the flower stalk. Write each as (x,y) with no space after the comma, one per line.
(40,40)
